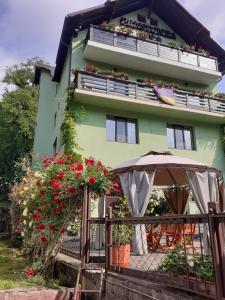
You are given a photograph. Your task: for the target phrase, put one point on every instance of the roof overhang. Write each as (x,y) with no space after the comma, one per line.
(39,68)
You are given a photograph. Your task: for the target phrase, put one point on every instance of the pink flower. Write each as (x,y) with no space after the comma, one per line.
(92,179)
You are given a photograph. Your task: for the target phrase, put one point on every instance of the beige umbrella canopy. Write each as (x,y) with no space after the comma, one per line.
(169,169)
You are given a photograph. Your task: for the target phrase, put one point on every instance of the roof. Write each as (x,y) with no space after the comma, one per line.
(169,169)
(39,68)
(170,11)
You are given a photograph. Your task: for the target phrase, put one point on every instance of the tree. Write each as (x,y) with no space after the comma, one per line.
(17,122)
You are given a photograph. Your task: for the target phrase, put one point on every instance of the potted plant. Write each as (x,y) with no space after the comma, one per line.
(90,68)
(142,35)
(121,235)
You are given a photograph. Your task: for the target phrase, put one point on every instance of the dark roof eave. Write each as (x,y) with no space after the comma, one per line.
(39,69)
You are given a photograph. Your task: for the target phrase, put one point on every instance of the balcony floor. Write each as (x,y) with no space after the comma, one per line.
(108,54)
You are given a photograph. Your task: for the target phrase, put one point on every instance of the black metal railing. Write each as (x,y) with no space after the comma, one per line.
(182,251)
(152,48)
(123,88)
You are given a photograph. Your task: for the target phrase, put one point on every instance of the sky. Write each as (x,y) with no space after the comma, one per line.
(31,28)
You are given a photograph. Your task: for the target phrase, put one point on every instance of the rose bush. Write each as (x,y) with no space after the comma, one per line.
(45,202)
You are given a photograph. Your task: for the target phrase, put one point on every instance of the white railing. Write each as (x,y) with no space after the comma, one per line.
(124,41)
(134,90)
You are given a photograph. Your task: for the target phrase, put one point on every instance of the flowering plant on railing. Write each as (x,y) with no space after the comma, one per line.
(48,200)
(143,35)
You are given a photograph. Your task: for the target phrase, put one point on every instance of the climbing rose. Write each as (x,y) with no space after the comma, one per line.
(41,226)
(43,239)
(29,272)
(55,184)
(116,187)
(41,192)
(51,227)
(62,230)
(72,190)
(78,174)
(92,179)
(89,161)
(80,167)
(36,218)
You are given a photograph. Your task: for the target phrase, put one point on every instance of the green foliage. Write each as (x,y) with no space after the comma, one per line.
(17,123)
(122,233)
(203,266)
(175,263)
(157,204)
(73,114)
(12,270)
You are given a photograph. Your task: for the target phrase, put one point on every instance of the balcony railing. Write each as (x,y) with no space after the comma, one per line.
(152,48)
(134,90)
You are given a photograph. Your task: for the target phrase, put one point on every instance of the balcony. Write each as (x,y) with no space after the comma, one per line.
(130,52)
(95,89)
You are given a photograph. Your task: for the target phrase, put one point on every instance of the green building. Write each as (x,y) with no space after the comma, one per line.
(146,73)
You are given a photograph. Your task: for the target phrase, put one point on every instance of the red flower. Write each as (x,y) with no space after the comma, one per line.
(56,154)
(56,201)
(46,165)
(80,167)
(58,210)
(56,194)
(89,161)
(92,179)
(61,162)
(69,157)
(29,272)
(51,227)
(38,209)
(78,174)
(41,226)
(62,203)
(43,239)
(38,182)
(61,175)
(105,171)
(72,190)
(72,167)
(36,218)
(55,184)
(116,187)
(41,192)
(62,230)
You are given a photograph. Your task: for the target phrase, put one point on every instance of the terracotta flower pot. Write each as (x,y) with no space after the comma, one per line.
(120,255)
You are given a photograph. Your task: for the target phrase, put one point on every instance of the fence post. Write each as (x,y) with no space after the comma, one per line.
(108,239)
(216,243)
(84,236)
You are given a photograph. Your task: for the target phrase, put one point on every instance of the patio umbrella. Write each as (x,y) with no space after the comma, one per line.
(139,175)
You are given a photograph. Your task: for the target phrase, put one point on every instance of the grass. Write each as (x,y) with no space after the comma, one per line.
(12,270)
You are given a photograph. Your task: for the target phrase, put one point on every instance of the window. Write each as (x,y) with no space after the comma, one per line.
(180,137)
(121,130)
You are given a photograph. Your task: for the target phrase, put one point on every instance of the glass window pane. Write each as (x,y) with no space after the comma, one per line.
(170,138)
(179,138)
(188,139)
(110,129)
(131,132)
(121,130)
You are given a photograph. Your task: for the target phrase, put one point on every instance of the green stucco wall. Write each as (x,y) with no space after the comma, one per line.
(91,131)
(152,136)
(44,139)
